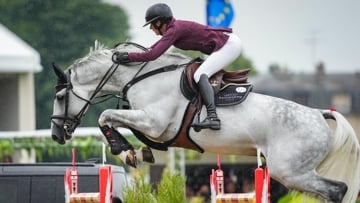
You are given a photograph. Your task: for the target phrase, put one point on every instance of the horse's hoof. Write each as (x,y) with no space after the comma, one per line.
(147,155)
(338,196)
(131,158)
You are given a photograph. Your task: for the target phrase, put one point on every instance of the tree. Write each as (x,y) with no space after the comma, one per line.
(62,31)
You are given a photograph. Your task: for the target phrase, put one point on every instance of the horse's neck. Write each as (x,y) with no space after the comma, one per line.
(162,85)
(90,78)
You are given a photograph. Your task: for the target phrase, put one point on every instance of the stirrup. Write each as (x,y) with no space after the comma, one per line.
(208,123)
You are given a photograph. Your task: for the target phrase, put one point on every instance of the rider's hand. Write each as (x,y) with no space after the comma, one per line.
(120,57)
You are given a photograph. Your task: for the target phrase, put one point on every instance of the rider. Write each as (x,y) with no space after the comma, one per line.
(220,44)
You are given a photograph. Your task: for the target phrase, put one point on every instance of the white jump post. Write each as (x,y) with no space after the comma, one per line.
(260,195)
(71,186)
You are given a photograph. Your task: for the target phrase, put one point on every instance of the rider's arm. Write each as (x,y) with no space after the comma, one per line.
(157,49)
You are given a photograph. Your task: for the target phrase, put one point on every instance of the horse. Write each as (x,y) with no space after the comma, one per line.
(302,152)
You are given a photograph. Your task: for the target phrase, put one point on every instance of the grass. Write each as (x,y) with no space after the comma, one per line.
(170,189)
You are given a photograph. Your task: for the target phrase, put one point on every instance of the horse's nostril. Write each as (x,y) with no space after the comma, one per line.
(57,139)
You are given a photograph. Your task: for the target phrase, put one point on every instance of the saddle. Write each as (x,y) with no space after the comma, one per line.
(230,88)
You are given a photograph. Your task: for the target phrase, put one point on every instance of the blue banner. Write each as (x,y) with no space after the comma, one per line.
(219,13)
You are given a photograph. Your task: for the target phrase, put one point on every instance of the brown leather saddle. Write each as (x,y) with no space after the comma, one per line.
(230,88)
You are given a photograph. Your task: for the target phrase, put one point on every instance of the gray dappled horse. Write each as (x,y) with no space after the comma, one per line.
(301,150)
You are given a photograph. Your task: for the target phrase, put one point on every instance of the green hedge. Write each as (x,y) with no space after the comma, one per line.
(49,151)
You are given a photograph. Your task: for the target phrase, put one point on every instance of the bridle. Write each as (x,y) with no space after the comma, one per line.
(64,81)
(70,123)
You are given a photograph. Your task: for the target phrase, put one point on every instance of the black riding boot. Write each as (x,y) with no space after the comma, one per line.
(207,94)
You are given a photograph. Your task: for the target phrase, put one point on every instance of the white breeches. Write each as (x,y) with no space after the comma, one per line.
(220,58)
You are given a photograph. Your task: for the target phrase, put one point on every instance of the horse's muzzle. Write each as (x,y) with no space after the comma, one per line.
(63,131)
(57,134)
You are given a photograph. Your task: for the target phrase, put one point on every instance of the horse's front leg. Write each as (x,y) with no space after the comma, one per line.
(136,119)
(118,144)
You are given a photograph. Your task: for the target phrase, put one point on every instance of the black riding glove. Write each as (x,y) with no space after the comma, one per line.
(120,57)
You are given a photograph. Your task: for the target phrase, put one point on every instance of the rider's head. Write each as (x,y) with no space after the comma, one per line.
(157,15)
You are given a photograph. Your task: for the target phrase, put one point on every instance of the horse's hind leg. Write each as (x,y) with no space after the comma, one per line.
(330,190)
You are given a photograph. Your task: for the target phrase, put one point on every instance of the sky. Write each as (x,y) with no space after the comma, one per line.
(293,34)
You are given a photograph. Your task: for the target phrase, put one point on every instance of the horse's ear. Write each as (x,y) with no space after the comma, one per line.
(59,73)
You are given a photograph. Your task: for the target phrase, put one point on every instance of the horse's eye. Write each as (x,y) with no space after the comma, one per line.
(59,97)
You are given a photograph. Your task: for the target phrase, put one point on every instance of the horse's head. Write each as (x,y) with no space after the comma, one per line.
(66,117)
(77,87)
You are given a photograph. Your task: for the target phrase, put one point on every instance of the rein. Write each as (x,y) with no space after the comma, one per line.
(137,79)
(98,88)
(76,120)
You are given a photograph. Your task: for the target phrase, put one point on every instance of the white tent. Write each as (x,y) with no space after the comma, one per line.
(18,63)
(15,55)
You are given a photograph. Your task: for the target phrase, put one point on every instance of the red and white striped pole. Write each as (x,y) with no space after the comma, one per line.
(73,174)
(71,185)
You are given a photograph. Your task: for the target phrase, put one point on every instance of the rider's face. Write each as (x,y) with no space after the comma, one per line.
(156,31)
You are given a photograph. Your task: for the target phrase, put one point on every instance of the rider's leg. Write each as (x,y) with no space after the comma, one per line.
(214,63)
(220,58)
(207,94)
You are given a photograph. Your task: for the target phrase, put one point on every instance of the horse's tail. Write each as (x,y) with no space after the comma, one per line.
(343,161)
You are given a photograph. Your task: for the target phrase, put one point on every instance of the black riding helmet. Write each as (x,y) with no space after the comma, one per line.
(158,11)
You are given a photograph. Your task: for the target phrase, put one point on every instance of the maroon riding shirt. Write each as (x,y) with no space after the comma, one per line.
(185,35)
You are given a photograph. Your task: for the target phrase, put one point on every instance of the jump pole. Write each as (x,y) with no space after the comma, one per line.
(262,186)
(71,186)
